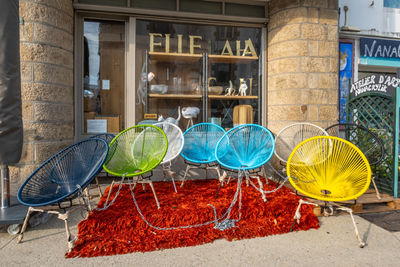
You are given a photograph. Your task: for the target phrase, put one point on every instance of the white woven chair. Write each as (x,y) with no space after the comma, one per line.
(175,145)
(290,136)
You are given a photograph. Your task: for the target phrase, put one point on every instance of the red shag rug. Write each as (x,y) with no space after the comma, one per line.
(120,229)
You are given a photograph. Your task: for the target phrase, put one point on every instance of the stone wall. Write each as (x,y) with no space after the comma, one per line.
(46,46)
(302,62)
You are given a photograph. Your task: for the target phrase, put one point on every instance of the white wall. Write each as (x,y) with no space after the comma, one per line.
(371,17)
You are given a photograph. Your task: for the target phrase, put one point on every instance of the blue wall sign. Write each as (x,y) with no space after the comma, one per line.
(345,76)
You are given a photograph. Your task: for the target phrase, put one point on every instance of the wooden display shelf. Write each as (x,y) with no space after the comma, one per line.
(231,59)
(175,96)
(171,57)
(184,96)
(236,97)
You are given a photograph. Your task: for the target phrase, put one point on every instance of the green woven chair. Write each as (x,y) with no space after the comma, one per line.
(135,152)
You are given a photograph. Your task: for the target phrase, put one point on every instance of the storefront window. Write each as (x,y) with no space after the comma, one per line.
(187,73)
(103,76)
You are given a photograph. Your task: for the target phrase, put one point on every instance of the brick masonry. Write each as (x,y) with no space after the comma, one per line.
(46,48)
(302,62)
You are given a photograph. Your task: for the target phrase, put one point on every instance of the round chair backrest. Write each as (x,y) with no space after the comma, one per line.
(289,137)
(368,142)
(341,171)
(64,174)
(136,150)
(105,136)
(175,140)
(200,142)
(245,147)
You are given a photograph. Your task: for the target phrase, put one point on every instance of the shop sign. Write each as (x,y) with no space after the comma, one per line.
(379,48)
(245,48)
(378,83)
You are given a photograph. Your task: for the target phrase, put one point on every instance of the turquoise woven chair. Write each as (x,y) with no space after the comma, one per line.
(198,150)
(245,148)
(135,152)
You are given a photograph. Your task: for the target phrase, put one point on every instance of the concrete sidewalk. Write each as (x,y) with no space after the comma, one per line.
(334,244)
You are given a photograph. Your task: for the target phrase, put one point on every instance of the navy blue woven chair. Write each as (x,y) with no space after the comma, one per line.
(198,150)
(245,148)
(108,137)
(62,178)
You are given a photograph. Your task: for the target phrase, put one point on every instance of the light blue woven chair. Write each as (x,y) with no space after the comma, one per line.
(198,151)
(245,148)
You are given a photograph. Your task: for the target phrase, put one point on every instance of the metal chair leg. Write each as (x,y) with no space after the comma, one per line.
(109,193)
(297,214)
(264,173)
(88,198)
(70,238)
(154,193)
(350,211)
(261,188)
(378,195)
(184,176)
(171,174)
(98,187)
(21,234)
(219,187)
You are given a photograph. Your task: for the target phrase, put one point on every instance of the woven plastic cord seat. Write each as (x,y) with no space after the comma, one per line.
(245,147)
(341,171)
(368,142)
(62,178)
(108,138)
(289,137)
(105,136)
(136,151)
(198,150)
(175,144)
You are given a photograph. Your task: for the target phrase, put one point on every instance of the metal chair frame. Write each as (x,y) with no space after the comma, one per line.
(166,163)
(48,206)
(139,174)
(225,144)
(198,164)
(331,178)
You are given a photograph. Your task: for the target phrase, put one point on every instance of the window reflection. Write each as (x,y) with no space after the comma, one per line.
(193,66)
(103,76)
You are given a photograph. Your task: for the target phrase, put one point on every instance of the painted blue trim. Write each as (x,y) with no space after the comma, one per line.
(388,62)
(396,144)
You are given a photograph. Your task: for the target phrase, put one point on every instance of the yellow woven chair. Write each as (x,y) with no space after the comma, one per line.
(330,169)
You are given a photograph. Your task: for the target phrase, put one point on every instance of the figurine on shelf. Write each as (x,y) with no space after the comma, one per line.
(190,113)
(230,91)
(170,119)
(141,91)
(243,87)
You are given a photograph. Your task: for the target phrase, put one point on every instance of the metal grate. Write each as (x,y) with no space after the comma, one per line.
(376,112)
